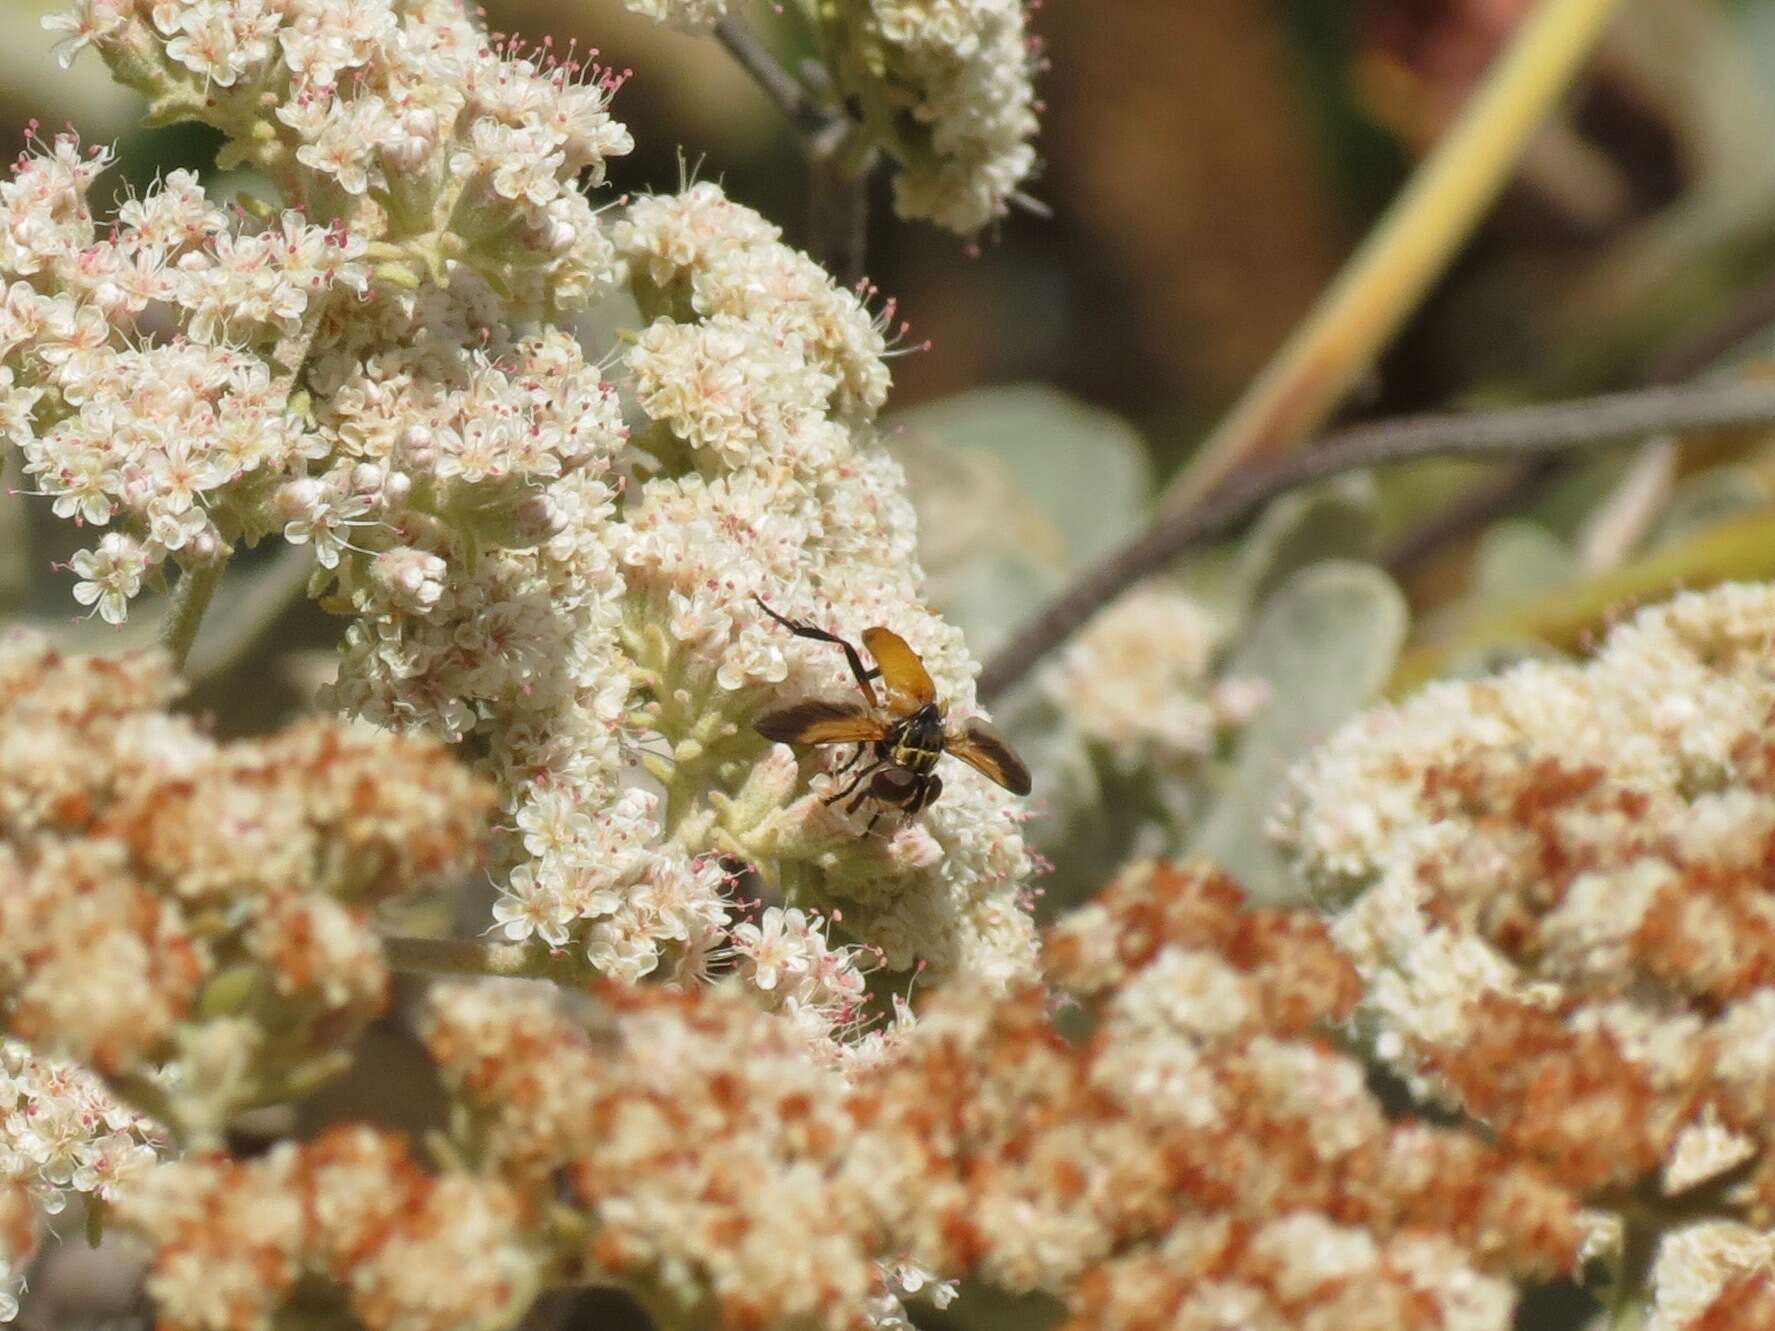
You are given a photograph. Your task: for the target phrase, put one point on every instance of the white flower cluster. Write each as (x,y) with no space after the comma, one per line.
(189,918)
(957,92)
(626,622)
(772,485)
(156,371)
(344,1230)
(165,438)
(947,90)
(1591,794)
(61,1135)
(1138,680)
(560,565)
(788,956)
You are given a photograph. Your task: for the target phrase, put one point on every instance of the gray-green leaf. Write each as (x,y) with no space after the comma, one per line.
(1325,643)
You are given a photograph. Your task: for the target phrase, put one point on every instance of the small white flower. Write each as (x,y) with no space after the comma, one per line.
(527,907)
(84,23)
(110,575)
(775,947)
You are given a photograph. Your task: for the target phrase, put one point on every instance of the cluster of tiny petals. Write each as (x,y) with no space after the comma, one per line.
(758,380)
(149,365)
(954,81)
(122,827)
(558,564)
(1138,680)
(699,251)
(61,1136)
(404,117)
(958,74)
(714,1158)
(169,440)
(720,1163)
(576,650)
(789,957)
(351,1218)
(1562,916)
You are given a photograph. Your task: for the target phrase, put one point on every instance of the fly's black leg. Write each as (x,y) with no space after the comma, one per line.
(855,758)
(801,630)
(861,776)
(872,822)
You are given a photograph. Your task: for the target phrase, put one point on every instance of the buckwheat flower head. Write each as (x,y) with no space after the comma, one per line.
(158,366)
(345,1225)
(954,79)
(550,548)
(946,89)
(1560,899)
(612,645)
(716,1162)
(1138,679)
(163,885)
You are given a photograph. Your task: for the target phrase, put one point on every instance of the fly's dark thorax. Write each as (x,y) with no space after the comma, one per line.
(916,741)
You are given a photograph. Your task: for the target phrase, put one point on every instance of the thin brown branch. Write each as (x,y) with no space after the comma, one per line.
(1515,432)
(798,106)
(1694,352)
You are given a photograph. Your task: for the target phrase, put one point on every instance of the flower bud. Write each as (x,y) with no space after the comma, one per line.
(412,579)
(418,448)
(300,499)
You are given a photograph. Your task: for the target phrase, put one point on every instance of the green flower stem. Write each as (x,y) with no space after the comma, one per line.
(473,956)
(190,599)
(1415,241)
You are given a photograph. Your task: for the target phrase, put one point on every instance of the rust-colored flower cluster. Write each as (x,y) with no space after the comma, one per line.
(191,912)
(1205,1150)
(348,1223)
(1200,1153)
(1565,923)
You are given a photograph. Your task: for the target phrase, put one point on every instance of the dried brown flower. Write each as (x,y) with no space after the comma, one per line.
(1201,1147)
(176,901)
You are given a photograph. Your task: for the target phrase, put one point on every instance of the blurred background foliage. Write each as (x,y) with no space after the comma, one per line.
(1208,166)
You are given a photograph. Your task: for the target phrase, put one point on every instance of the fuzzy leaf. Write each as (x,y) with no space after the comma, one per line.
(1517,559)
(1325,642)
(1017,488)
(1333,520)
